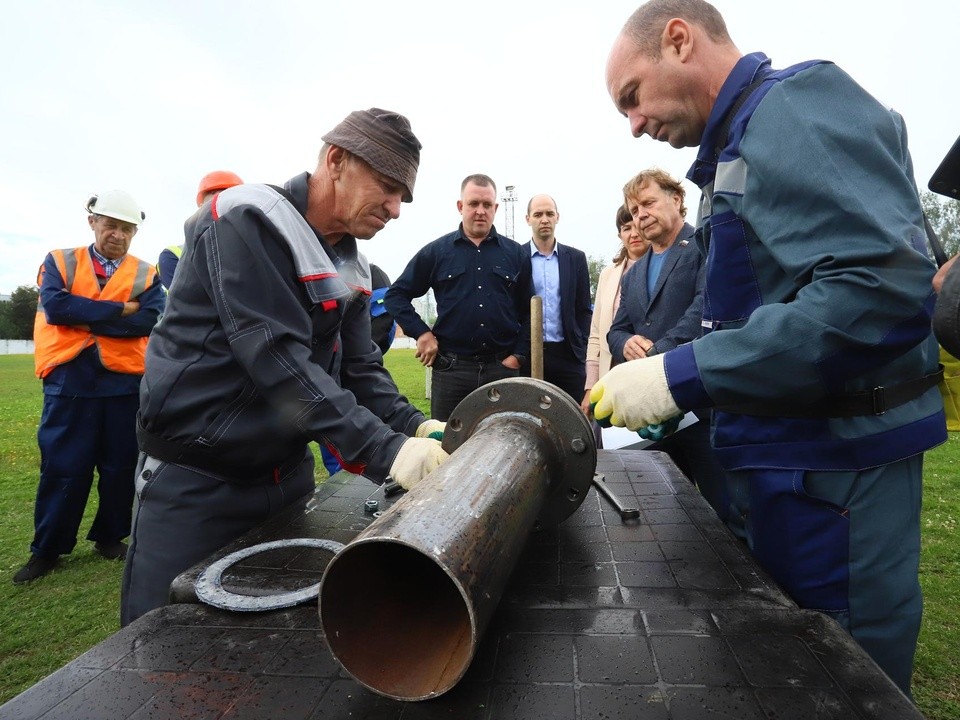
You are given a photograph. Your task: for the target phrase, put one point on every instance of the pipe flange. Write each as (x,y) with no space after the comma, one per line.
(210,589)
(563,422)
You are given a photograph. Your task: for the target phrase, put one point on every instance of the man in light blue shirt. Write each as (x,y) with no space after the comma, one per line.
(561,279)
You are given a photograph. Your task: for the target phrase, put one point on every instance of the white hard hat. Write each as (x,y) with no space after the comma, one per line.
(118,205)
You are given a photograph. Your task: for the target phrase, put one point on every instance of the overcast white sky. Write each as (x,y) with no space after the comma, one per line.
(149,96)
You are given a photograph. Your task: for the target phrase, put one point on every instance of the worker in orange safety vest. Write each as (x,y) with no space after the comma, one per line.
(97,307)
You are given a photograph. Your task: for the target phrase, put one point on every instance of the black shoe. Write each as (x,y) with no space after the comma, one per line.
(111,551)
(36,567)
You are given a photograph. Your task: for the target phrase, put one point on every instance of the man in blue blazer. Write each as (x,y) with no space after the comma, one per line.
(561,278)
(651,321)
(661,307)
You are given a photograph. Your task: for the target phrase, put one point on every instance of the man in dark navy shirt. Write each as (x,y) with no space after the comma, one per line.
(481,281)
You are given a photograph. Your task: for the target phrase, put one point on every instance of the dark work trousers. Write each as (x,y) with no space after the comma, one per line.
(184,515)
(77,436)
(846,543)
(456,376)
(562,368)
(690,451)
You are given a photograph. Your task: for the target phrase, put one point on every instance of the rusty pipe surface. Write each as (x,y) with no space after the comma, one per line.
(404,605)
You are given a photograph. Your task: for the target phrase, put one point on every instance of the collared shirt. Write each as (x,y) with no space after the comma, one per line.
(482,293)
(109,266)
(546,284)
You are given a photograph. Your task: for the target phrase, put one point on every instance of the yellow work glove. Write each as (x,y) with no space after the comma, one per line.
(432,429)
(634,395)
(418,457)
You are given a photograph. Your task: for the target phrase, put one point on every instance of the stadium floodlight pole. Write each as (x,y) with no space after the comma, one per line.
(509,199)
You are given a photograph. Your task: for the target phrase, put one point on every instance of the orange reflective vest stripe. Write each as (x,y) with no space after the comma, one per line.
(58,344)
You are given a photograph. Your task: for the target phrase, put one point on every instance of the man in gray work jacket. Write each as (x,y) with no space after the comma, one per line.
(265,347)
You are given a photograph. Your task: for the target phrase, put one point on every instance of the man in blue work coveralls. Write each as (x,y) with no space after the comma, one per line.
(817,357)
(97,306)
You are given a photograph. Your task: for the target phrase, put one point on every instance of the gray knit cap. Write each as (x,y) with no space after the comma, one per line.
(384,140)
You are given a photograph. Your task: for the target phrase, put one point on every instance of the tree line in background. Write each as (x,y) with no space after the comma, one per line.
(17,313)
(944,216)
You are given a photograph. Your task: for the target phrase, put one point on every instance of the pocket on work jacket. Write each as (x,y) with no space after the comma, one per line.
(801,540)
(732,292)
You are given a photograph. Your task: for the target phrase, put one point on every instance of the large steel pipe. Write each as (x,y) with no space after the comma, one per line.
(404,605)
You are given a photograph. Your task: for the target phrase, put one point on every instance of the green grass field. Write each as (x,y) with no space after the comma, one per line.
(47,623)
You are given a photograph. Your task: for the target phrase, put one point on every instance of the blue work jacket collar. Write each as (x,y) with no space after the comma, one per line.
(743,73)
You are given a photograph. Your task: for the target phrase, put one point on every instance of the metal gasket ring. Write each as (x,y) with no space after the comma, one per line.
(211,591)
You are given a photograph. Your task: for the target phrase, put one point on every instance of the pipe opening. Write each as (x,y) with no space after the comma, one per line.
(395,620)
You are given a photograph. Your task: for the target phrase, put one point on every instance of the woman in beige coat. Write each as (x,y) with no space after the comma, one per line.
(608,299)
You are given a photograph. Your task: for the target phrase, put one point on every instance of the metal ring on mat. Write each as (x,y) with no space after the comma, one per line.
(211,591)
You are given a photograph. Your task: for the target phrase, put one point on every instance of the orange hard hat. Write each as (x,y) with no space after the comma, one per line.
(216,180)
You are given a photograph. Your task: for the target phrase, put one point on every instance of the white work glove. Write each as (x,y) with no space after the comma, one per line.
(634,395)
(418,457)
(432,429)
